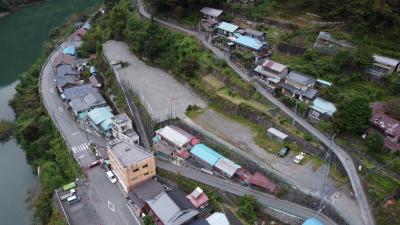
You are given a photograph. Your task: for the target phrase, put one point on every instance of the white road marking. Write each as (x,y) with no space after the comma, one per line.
(80,157)
(74,149)
(130,210)
(81,147)
(110,206)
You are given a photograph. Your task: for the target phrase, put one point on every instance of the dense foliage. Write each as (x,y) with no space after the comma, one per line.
(353,114)
(248,208)
(375,142)
(6,130)
(7,5)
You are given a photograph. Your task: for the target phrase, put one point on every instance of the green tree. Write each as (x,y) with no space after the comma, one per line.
(375,142)
(248,208)
(352,115)
(394,83)
(392,107)
(147,220)
(363,57)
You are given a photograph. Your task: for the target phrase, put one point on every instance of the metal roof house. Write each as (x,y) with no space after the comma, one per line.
(271,73)
(227,167)
(66,70)
(250,43)
(70,50)
(65,82)
(167,212)
(299,86)
(205,156)
(63,59)
(259,35)
(260,180)
(100,118)
(321,109)
(85,103)
(276,134)
(226,29)
(175,136)
(212,13)
(198,198)
(383,66)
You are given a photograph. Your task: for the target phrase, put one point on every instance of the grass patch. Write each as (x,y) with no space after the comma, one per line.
(213,82)
(379,186)
(236,99)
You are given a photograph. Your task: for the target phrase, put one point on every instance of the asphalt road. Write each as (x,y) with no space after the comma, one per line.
(269,201)
(100,189)
(344,158)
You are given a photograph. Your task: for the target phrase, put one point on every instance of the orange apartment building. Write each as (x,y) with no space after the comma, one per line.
(131,163)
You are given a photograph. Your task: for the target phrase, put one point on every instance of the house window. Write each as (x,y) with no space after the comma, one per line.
(147,173)
(315,113)
(145,166)
(135,170)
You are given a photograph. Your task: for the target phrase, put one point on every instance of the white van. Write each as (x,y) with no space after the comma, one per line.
(111,177)
(74,198)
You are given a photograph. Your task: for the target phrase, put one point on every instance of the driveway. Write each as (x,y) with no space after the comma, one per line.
(162,95)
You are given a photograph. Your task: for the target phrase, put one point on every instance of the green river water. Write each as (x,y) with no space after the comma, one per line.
(22,35)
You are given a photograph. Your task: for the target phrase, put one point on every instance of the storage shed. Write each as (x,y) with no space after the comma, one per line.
(205,156)
(276,134)
(227,167)
(174,136)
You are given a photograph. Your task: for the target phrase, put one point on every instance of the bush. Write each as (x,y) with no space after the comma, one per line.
(248,208)
(6,130)
(375,142)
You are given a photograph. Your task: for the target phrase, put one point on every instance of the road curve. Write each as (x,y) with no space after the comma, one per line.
(344,158)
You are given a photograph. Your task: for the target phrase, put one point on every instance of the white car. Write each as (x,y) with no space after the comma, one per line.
(299,157)
(111,177)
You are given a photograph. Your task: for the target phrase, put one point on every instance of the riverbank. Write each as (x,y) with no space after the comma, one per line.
(7,9)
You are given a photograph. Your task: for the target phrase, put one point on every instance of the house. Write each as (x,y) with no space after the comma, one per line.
(276,134)
(321,109)
(211,13)
(198,198)
(217,218)
(96,81)
(65,82)
(383,66)
(78,91)
(131,164)
(66,70)
(327,44)
(70,50)
(249,43)
(271,73)
(323,83)
(63,59)
(100,119)
(259,180)
(123,130)
(299,86)
(176,137)
(205,156)
(258,35)
(142,192)
(226,29)
(226,167)
(167,212)
(387,125)
(81,105)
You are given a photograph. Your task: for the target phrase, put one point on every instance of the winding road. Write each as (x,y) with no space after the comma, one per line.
(344,158)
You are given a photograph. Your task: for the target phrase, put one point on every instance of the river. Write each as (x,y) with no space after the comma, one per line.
(22,35)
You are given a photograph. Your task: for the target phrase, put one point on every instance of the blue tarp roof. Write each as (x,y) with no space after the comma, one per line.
(323,106)
(206,154)
(312,221)
(70,50)
(228,27)
(83,115)
(249,42)
(101,116)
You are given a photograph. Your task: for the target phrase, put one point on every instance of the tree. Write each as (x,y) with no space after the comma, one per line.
(352,114)
(394,83)
(147,220)
(248,208)
(363,57)
(389,214)
(375,142)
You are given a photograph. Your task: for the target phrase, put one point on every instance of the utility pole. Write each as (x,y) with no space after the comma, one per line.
(324,185)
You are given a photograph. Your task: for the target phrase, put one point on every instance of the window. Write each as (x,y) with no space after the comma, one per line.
(145,166)
(147,173)
(135,170)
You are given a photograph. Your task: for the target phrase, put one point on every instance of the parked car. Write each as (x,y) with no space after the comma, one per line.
(284,151)
(74,198)
(111,177)
(299,157)
(95,163)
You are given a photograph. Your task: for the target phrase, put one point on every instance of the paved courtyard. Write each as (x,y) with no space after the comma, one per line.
(160,92)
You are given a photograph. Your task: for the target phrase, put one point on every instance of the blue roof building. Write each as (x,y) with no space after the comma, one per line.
(312,221)
(229,27)
(101,118)
(70,50)
(321,109)
(206,155)
(249,42)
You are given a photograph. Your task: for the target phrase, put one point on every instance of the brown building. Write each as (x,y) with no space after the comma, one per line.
(131,163)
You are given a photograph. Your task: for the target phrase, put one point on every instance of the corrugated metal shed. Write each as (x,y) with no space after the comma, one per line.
(227,166)
(211,11)
(206,154)
(260,180)
(101,116)
(174,135)
(218,218)
(249,42)
(228,27)
(277,133)
(323,106)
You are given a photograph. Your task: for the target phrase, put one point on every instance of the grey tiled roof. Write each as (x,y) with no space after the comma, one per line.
(64,69)
(299,78)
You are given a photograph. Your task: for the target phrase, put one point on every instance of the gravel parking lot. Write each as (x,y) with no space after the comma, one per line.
(159,91)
